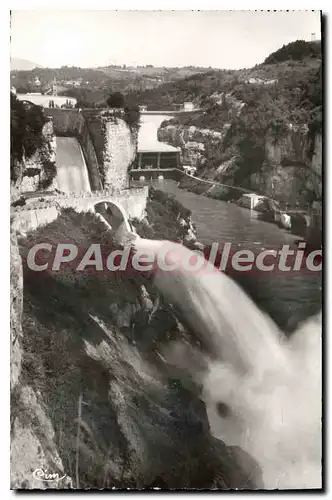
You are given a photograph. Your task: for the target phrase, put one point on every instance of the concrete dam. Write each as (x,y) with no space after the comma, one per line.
(72,172)
(92,151)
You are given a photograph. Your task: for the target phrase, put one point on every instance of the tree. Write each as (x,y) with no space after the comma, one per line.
(132,117)
(296,51)
(116,100)
(26,133)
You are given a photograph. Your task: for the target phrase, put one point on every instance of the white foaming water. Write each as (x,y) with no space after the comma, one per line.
(271,386)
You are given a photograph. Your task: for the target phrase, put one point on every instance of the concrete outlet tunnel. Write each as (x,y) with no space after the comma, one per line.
(116,220)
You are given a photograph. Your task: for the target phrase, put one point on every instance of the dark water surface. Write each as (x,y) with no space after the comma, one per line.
(288,297)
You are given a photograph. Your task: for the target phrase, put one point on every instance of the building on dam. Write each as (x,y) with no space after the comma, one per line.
(157,155)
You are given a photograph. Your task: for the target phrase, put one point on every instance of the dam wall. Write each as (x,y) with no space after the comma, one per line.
(108,144)
(71,123)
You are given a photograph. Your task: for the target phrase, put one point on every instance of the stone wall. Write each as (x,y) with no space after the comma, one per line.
(119,153)
(29,220)
(115,146)
(142,175)
(39,213)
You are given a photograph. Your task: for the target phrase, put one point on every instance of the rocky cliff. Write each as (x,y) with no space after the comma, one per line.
(193,141)
(288,168)
(33,445)
(292,171)
(39,171)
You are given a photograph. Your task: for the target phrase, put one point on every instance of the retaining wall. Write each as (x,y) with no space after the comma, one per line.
(153,174)
(39,213)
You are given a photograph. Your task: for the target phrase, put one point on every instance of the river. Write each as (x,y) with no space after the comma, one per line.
(288,297)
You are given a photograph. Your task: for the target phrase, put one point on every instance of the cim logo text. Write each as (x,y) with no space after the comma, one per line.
(45,476)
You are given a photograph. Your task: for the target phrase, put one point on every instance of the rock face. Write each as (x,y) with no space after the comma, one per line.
(291,169)
(16,306)
(119,153)
(37,173)
(32,435)
(194,142)
(95,398)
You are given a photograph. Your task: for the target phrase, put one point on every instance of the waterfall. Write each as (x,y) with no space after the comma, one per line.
(262,391)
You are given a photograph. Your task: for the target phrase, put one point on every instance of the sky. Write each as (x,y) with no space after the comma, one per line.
(220,39)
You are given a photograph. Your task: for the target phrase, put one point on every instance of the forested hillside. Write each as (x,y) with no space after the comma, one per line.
(250,122)
(289,73)
(92,86)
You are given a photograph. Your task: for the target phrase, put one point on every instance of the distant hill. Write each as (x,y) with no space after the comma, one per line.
(289,67)
(253,128)
(22,64)
(157,73)
(92,86)
(295,51)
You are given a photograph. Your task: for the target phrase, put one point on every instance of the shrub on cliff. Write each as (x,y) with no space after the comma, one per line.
(116,100)
(132,117)
(49,174)
(163,213)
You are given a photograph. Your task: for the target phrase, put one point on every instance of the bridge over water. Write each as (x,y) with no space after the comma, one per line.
(45,207)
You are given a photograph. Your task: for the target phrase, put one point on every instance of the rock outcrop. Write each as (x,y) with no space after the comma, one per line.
(291,170)
(39,171)
(194,141)
(33,446)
